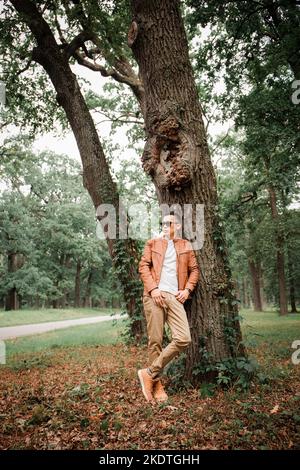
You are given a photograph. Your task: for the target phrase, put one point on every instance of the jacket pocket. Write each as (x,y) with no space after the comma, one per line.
(153,250)
(156,259)
(184,259)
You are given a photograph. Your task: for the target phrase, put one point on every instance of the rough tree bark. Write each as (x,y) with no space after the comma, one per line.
(96,174)
(176,156)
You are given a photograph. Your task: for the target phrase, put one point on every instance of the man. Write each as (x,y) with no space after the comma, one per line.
(169,271)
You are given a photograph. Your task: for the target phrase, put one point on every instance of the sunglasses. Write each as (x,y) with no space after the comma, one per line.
(165,223)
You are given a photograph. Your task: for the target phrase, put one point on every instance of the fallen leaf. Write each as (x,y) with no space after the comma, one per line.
(275,409)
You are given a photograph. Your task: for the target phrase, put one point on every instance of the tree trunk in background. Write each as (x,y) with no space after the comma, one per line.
(11,299)
(100,303)
(11,302)
(292,296)
(37,303)
(61,302)
(279,240)
(97,178)
(245,300)
(115,303)
(255,272)
(291,282)
(176,157)
(262,292)
(65,300)
(77,284)
(87,297)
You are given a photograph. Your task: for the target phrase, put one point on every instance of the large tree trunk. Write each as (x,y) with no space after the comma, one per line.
(279,240)
(96,174)
(176,157)
(255,272)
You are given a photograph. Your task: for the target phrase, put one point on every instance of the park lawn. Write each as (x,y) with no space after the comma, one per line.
(40,349)
(266,329)
(27,316)
(85,395)
(269,326)
(270,331)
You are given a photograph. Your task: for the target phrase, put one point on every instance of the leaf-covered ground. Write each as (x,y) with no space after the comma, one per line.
(90,398)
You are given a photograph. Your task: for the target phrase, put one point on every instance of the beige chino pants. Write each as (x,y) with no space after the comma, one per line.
(175,316)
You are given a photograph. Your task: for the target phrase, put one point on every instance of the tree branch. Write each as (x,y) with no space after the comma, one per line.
(26,66)
(122,71)
(96,67)
(60,33)
(38,26)
(220,141)
(78,42)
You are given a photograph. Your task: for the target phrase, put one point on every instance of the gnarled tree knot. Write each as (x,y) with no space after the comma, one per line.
(132,33)
(167,155)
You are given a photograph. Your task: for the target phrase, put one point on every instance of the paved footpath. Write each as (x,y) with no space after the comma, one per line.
(9,332)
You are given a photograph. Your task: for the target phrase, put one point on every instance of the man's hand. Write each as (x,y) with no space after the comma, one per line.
(158,297)
(182,295)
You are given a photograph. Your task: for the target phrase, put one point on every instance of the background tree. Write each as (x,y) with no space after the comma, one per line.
(28,38)
(253,48)
(50,255)
(245,202)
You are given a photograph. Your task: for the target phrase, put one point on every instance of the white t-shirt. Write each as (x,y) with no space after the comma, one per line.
(168,278)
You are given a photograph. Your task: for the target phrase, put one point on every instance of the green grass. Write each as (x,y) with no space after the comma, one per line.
(268,328)
(25,317)
(258,328)
(107,332)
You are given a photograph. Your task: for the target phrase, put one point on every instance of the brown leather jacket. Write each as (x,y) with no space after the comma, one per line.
(151,263)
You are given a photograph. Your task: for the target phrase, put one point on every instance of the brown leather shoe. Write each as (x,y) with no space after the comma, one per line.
(146,383)
(159,391)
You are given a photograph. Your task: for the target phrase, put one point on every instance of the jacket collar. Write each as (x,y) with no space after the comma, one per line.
(177,244)
(175,239)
